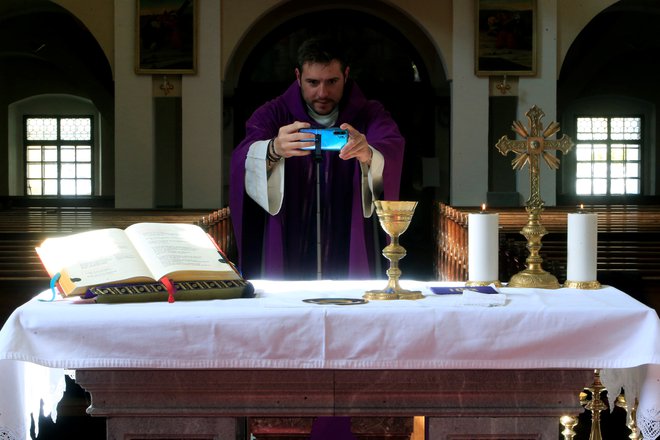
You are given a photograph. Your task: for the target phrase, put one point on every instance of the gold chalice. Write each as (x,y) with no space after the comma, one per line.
(394,218)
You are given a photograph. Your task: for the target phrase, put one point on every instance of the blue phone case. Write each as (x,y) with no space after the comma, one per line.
(331,138)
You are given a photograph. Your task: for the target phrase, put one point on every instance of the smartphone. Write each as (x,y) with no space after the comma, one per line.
(331,138)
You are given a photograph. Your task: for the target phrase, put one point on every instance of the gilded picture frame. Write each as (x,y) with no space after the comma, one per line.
(505,37)
(166,37)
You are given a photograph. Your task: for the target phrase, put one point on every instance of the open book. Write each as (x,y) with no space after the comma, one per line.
(142,253)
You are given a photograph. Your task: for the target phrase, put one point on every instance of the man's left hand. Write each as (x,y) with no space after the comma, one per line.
(356,147)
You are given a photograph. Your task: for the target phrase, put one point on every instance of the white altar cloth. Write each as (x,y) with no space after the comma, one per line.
(534,329)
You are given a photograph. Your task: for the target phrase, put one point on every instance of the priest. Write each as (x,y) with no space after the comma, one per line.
(282,230)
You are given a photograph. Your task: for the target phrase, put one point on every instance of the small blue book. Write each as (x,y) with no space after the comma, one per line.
(457,290)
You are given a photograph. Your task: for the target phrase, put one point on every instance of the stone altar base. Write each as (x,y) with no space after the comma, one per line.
(458,404)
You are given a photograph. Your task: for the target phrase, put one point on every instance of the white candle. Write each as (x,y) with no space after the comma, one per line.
(483,247)
(582,247)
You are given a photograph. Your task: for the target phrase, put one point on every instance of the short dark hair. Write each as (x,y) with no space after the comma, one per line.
(321,50)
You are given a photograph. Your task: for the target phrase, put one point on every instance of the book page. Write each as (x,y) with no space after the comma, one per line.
(96,257)
(168,248)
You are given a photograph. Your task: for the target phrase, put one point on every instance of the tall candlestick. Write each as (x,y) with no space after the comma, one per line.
(582,242)
(483,248)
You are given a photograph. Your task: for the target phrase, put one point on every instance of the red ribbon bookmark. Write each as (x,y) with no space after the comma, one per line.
(171,290)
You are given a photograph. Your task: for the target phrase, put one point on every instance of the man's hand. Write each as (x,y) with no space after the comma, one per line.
(356,147)
(287,143)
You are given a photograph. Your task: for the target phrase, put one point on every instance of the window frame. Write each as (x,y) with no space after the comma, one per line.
(610,107)
(58,143)
(609,161)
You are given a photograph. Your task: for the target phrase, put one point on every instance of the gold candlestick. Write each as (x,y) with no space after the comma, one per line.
(568,422)
(528,150)
(395,217)
(631,416)
(596,406)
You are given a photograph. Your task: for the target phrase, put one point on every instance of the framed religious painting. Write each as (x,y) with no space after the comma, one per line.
(505,37)
(166,37)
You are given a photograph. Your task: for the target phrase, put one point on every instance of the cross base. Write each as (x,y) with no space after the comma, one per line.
(538,278)
(391,295)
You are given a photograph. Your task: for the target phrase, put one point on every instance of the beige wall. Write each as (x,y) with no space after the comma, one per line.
(98,16)
(237,17)
(573,17)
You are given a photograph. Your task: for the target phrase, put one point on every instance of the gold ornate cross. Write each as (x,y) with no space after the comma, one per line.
(528,150)
(533,145)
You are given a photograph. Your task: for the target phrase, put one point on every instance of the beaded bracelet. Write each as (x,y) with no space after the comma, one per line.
(271,154)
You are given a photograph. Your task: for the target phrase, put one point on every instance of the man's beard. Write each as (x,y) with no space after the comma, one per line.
(323,107)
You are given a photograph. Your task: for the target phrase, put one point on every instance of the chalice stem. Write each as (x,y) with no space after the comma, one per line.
(394,252)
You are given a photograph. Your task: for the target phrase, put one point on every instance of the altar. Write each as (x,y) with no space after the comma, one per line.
(187,369)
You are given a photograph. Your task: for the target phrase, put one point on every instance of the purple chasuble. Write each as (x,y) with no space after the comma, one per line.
(286,242)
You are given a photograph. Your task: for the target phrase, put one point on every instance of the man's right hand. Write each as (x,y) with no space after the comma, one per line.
(287,143)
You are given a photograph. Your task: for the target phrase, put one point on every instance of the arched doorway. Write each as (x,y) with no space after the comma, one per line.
(610,69)
(393,62)
(47,50)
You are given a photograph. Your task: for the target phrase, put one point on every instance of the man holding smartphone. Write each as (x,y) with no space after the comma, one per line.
(276,180)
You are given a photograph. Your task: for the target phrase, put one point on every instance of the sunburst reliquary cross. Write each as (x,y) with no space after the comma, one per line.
(535,144)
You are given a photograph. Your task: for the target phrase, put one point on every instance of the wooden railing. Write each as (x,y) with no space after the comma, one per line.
(452,244)
(218,225)
(628,244)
